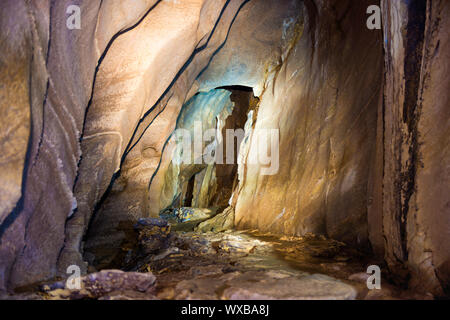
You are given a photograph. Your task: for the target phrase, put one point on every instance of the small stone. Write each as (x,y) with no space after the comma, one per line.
(222,222)
(96,285)
(165,253)
(360,277)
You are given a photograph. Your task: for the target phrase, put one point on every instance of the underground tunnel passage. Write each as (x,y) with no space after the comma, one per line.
(224,150)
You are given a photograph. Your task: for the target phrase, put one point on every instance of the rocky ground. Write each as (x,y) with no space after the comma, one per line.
(250,265)
(228,265)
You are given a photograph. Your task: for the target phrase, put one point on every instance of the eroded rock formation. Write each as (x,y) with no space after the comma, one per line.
(87,144)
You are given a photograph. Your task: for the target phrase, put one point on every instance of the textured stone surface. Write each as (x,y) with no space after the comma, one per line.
(152,234)
(326,113)
(314,287)
(67,59)
(105,285)
(415,210)
(221,222)
(132,77)
(258,36)
(129,199)
(15,68)
(61,75)
(250,265)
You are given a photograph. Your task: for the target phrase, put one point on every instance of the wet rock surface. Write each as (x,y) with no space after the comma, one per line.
(250,265)
(231,265)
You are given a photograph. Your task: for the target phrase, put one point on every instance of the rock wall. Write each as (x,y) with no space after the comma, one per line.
(415,206)
(143,157)
(140,155)
(56,80)
(325,107)
(132,78)
(256,41)
(53,87)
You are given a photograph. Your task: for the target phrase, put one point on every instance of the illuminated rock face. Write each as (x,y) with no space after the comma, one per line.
(139,67)
(61,75)
(130,194)
(362,118)
(326,112)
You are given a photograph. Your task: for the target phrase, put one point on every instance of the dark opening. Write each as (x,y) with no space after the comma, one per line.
(189,192)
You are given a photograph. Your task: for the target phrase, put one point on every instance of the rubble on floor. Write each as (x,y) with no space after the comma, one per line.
(104,285)
(231,265)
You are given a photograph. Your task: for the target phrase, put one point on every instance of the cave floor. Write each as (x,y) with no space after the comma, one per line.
(250,265)
(234,265)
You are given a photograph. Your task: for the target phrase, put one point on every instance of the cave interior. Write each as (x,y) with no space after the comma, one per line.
(225,149)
